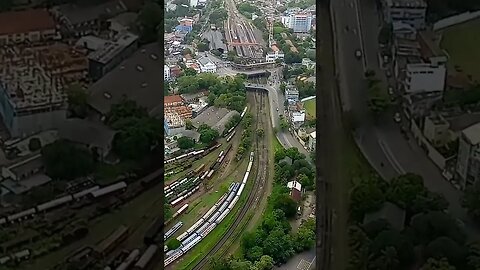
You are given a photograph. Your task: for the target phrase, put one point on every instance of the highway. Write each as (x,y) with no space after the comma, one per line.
(381,143)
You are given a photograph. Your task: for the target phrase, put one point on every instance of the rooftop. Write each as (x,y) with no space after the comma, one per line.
(76,14)
(34,77)
(472,134)
(13,22)
(294,185)
(86,132)
(135,78)
(205,61)
(112,48)
(172,99)
(27,165)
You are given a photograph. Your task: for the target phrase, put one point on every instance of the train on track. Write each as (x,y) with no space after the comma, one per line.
(91,193)
(227,133)
(211,219)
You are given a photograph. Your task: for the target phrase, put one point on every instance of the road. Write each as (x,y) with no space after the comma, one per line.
(381,143)
(302,261)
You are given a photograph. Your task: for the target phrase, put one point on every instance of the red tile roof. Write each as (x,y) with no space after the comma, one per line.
(172,99)
(296,195)
(14,22)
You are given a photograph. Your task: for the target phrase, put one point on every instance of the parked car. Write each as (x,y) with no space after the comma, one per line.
(358,54)
(390,90)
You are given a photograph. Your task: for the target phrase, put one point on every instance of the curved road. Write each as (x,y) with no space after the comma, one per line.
(383,142)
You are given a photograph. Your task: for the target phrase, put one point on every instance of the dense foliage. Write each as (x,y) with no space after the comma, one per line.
(439,239)
(66,161)
(138,133)
(224,92)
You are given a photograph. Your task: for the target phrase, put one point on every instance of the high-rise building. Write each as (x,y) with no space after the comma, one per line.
(300,22)
(412,12)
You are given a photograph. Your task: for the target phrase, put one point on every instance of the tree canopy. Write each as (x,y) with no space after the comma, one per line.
(66,161)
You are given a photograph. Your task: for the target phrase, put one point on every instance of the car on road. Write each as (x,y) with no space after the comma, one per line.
(397,118)
(358,54)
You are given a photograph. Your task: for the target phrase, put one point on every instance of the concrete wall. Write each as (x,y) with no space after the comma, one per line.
(454,20)
(432,153)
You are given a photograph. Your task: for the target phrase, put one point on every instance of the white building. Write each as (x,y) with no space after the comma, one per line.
(468,159)
(193,3)
(166,73)
(297,118)
(291,95)
(412,12)
(300,22)
(425,77)
(274,55)
(312,141)
(206,65)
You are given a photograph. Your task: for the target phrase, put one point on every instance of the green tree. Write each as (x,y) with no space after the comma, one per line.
(305,236)
(473,256)
(136,137)
(437,264)
(61,168)
(366,196)
(167,211)
(208,135)
(359,244)
(392,238)
(404,189)
(260,132)
(185,143)
(189,125)
(124,109)
(388,260)
(285,203)
(189,72)
(265,263)
(471,201)
(444,247)
(77,101)
(148,21)
(432,225)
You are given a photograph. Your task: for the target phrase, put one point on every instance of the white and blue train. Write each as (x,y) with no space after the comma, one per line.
(211,219)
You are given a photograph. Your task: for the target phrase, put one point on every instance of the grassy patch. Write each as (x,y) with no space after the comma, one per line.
(462,44)
(311,108)
(276,144)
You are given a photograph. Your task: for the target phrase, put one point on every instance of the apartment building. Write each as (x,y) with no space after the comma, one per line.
(425,77)
(32,26)
(412,12)
(112,53)
(312,141)
(468,159)
(31,99)
(274,54)
(81,20)
(291,95)
(300,22)
(185,25)
(166,72)
(206,65)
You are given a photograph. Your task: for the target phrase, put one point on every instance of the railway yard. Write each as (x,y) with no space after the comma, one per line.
(215,201)
(240,34)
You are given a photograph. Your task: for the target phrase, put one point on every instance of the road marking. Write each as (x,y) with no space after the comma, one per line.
(391,158)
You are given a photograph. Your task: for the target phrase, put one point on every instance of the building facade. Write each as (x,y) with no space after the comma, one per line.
(29,25)
(425,77)
(468,158)
(412,12)
(111,55)
(292,95)
(312,141)
(166,73)
(206,65)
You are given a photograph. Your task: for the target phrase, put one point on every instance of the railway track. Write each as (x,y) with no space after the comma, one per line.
(261,162)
